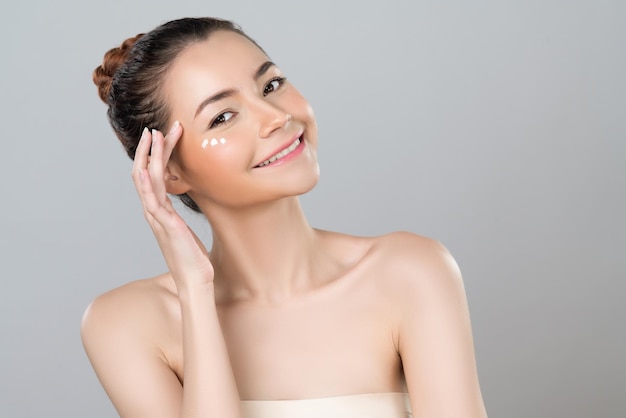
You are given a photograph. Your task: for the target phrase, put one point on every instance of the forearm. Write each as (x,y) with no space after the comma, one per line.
(209,384)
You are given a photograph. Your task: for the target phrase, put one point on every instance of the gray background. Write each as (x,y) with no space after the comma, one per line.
(497,127)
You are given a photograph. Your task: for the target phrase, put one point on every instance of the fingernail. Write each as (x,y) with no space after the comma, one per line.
(154,132)
(144,133)
(174,126)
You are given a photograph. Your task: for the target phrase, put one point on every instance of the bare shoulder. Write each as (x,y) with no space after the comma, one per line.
(123,311)
(405,243)
(412,266)
(431,326)
(404,250)
(401,265)
(127,334)
(400,257)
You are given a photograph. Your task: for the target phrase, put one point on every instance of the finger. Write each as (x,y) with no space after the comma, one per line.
(144,179)
(171,139)
(155,168)
(141,158)
(169,144)
(154,211)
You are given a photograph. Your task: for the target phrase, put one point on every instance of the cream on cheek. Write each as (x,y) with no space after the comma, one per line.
(213,142)
(213,156)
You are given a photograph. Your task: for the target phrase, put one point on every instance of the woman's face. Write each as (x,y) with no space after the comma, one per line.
(248,135)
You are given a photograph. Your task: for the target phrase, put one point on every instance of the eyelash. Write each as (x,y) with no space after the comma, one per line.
(220,119)
(280,80)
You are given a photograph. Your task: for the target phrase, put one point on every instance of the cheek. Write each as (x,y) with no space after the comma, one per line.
(215,152)
(302,104)
(304,110)
(213,159)
(213,142)
(308,116)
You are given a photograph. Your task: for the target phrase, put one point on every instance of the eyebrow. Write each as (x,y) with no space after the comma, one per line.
(212,99)
(229,92)
(263,69)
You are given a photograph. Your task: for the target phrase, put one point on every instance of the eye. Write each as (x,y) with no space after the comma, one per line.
(221,118)
(273,85)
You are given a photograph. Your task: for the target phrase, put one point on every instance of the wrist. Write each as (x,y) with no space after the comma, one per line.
(192,290)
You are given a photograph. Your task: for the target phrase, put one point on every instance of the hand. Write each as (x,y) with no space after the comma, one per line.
(186,257)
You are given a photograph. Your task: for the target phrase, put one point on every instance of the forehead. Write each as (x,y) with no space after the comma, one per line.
(223,61)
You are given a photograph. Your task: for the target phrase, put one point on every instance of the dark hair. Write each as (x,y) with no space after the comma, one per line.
(128,78)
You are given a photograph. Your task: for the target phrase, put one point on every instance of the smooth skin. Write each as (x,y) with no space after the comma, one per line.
(277,309)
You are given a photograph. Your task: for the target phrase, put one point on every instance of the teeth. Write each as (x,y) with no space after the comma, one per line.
(282,153)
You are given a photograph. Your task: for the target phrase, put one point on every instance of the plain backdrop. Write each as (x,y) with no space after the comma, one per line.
(496,127)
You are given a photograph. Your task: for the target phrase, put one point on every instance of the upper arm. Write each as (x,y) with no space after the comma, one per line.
(434,333)
(127,361)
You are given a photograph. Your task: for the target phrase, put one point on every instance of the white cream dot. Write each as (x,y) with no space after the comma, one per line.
(213,142)
(222,140)
(205,143)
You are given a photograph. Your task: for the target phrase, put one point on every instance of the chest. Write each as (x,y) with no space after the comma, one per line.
(321,347)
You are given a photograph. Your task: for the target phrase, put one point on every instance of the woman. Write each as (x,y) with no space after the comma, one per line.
(278,319)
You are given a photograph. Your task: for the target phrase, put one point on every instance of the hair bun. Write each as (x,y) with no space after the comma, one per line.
(113,60)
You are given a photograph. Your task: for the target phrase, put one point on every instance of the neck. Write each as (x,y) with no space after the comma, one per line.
(264,252)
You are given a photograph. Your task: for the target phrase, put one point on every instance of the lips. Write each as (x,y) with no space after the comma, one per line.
(282,153)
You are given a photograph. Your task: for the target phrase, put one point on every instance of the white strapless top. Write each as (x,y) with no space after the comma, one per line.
(370,405)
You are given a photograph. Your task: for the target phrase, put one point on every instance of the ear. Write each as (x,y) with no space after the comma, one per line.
(174,179)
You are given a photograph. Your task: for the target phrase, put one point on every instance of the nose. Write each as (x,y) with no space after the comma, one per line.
(272,118)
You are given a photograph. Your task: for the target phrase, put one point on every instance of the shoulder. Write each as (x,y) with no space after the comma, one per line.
(129,300)
(408,254)
(431,325)
(127,334)
(413,268)
(401,242)
(120,313)
(398,259)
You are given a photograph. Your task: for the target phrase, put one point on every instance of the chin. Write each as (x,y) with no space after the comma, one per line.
(311,178)
(308,187)
(302,184)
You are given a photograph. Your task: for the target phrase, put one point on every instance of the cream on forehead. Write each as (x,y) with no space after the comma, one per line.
(213,142)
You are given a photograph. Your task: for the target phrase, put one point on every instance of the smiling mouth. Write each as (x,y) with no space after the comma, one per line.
(282,153)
